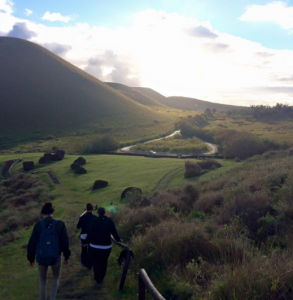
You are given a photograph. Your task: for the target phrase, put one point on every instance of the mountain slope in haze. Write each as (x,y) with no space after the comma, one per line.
(186,103)
(40,91)
(151,93)
(198,105)
(134,94)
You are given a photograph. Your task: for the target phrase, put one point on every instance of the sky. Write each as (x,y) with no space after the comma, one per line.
(234,52)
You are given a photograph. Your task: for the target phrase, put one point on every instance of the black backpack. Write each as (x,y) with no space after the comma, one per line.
(48,246)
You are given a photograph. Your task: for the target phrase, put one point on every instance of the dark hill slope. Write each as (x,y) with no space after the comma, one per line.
(40,91)
(134,94)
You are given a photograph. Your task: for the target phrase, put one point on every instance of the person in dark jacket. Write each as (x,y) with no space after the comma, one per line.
(84,224)
(99,239)
(63,246)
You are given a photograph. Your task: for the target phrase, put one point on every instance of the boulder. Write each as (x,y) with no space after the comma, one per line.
(80,161)
(28,165)
(47,157)
(80,171)
(99,184)
(291,152)
(75,166)
(130,190)
(60,154)
(54,157)
(42,160)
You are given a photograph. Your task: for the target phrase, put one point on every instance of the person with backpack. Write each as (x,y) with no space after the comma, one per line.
(48,240)
(84,224)
(99,239)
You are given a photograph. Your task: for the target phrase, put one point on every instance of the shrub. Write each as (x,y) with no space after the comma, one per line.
(19,201)
(249,208)
(99,144)
(208,201)
(267,278)
(209,163)
(172,243)
(192,169)
(137,220)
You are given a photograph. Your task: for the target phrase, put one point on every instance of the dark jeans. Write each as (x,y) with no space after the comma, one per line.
(55,280)
(84,257)
(99,259)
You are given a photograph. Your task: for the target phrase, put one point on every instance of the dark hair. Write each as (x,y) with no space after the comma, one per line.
(47,208)
(89,206)
(101,211)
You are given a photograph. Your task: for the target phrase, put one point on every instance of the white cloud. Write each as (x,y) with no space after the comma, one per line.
(157,51)
(28,12)
(277,11)
(6,6)
(53,17)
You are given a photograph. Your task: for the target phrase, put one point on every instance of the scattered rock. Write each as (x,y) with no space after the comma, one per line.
(48,157)
(99,184)
(80,161)
(130,190)
(28,165)
(80,171)
(291,152)
(60,154)
(75,166)
(42,160)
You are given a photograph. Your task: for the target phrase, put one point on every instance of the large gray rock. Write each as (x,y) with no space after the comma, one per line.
(80,171)
(130,190)
(99,184)
(28,165)
(80,161)
(75,166)
(60,154)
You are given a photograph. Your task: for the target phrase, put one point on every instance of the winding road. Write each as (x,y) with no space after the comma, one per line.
(127,149)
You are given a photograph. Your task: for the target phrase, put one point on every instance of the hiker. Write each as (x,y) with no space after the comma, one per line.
(83,224)
(99,239)
(48,240)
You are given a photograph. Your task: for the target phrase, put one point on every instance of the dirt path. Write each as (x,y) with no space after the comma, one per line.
(214,148)
(53,177)
(163,183)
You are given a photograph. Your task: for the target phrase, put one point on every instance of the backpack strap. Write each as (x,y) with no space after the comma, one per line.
(42,223)
(54,223)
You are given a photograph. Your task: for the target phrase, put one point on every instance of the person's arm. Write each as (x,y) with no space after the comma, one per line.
(32,245)
(64,243)
(79,224)
(114,232)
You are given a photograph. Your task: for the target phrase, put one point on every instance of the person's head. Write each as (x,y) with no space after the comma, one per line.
(101,211)
(89,206)
(47,208)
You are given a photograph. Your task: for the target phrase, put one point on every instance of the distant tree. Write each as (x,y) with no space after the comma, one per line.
(208,112)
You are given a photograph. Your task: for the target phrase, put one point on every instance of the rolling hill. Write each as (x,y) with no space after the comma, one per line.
(186,103)
(134,94)
(40,92)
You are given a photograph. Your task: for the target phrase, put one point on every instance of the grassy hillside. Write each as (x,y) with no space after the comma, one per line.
(151,93)
(18,281)
(197,105)
(186,103)
(134,94)
(41,93)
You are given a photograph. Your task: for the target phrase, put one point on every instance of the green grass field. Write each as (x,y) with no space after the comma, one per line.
(20,282)
(276,130)
(175,145)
